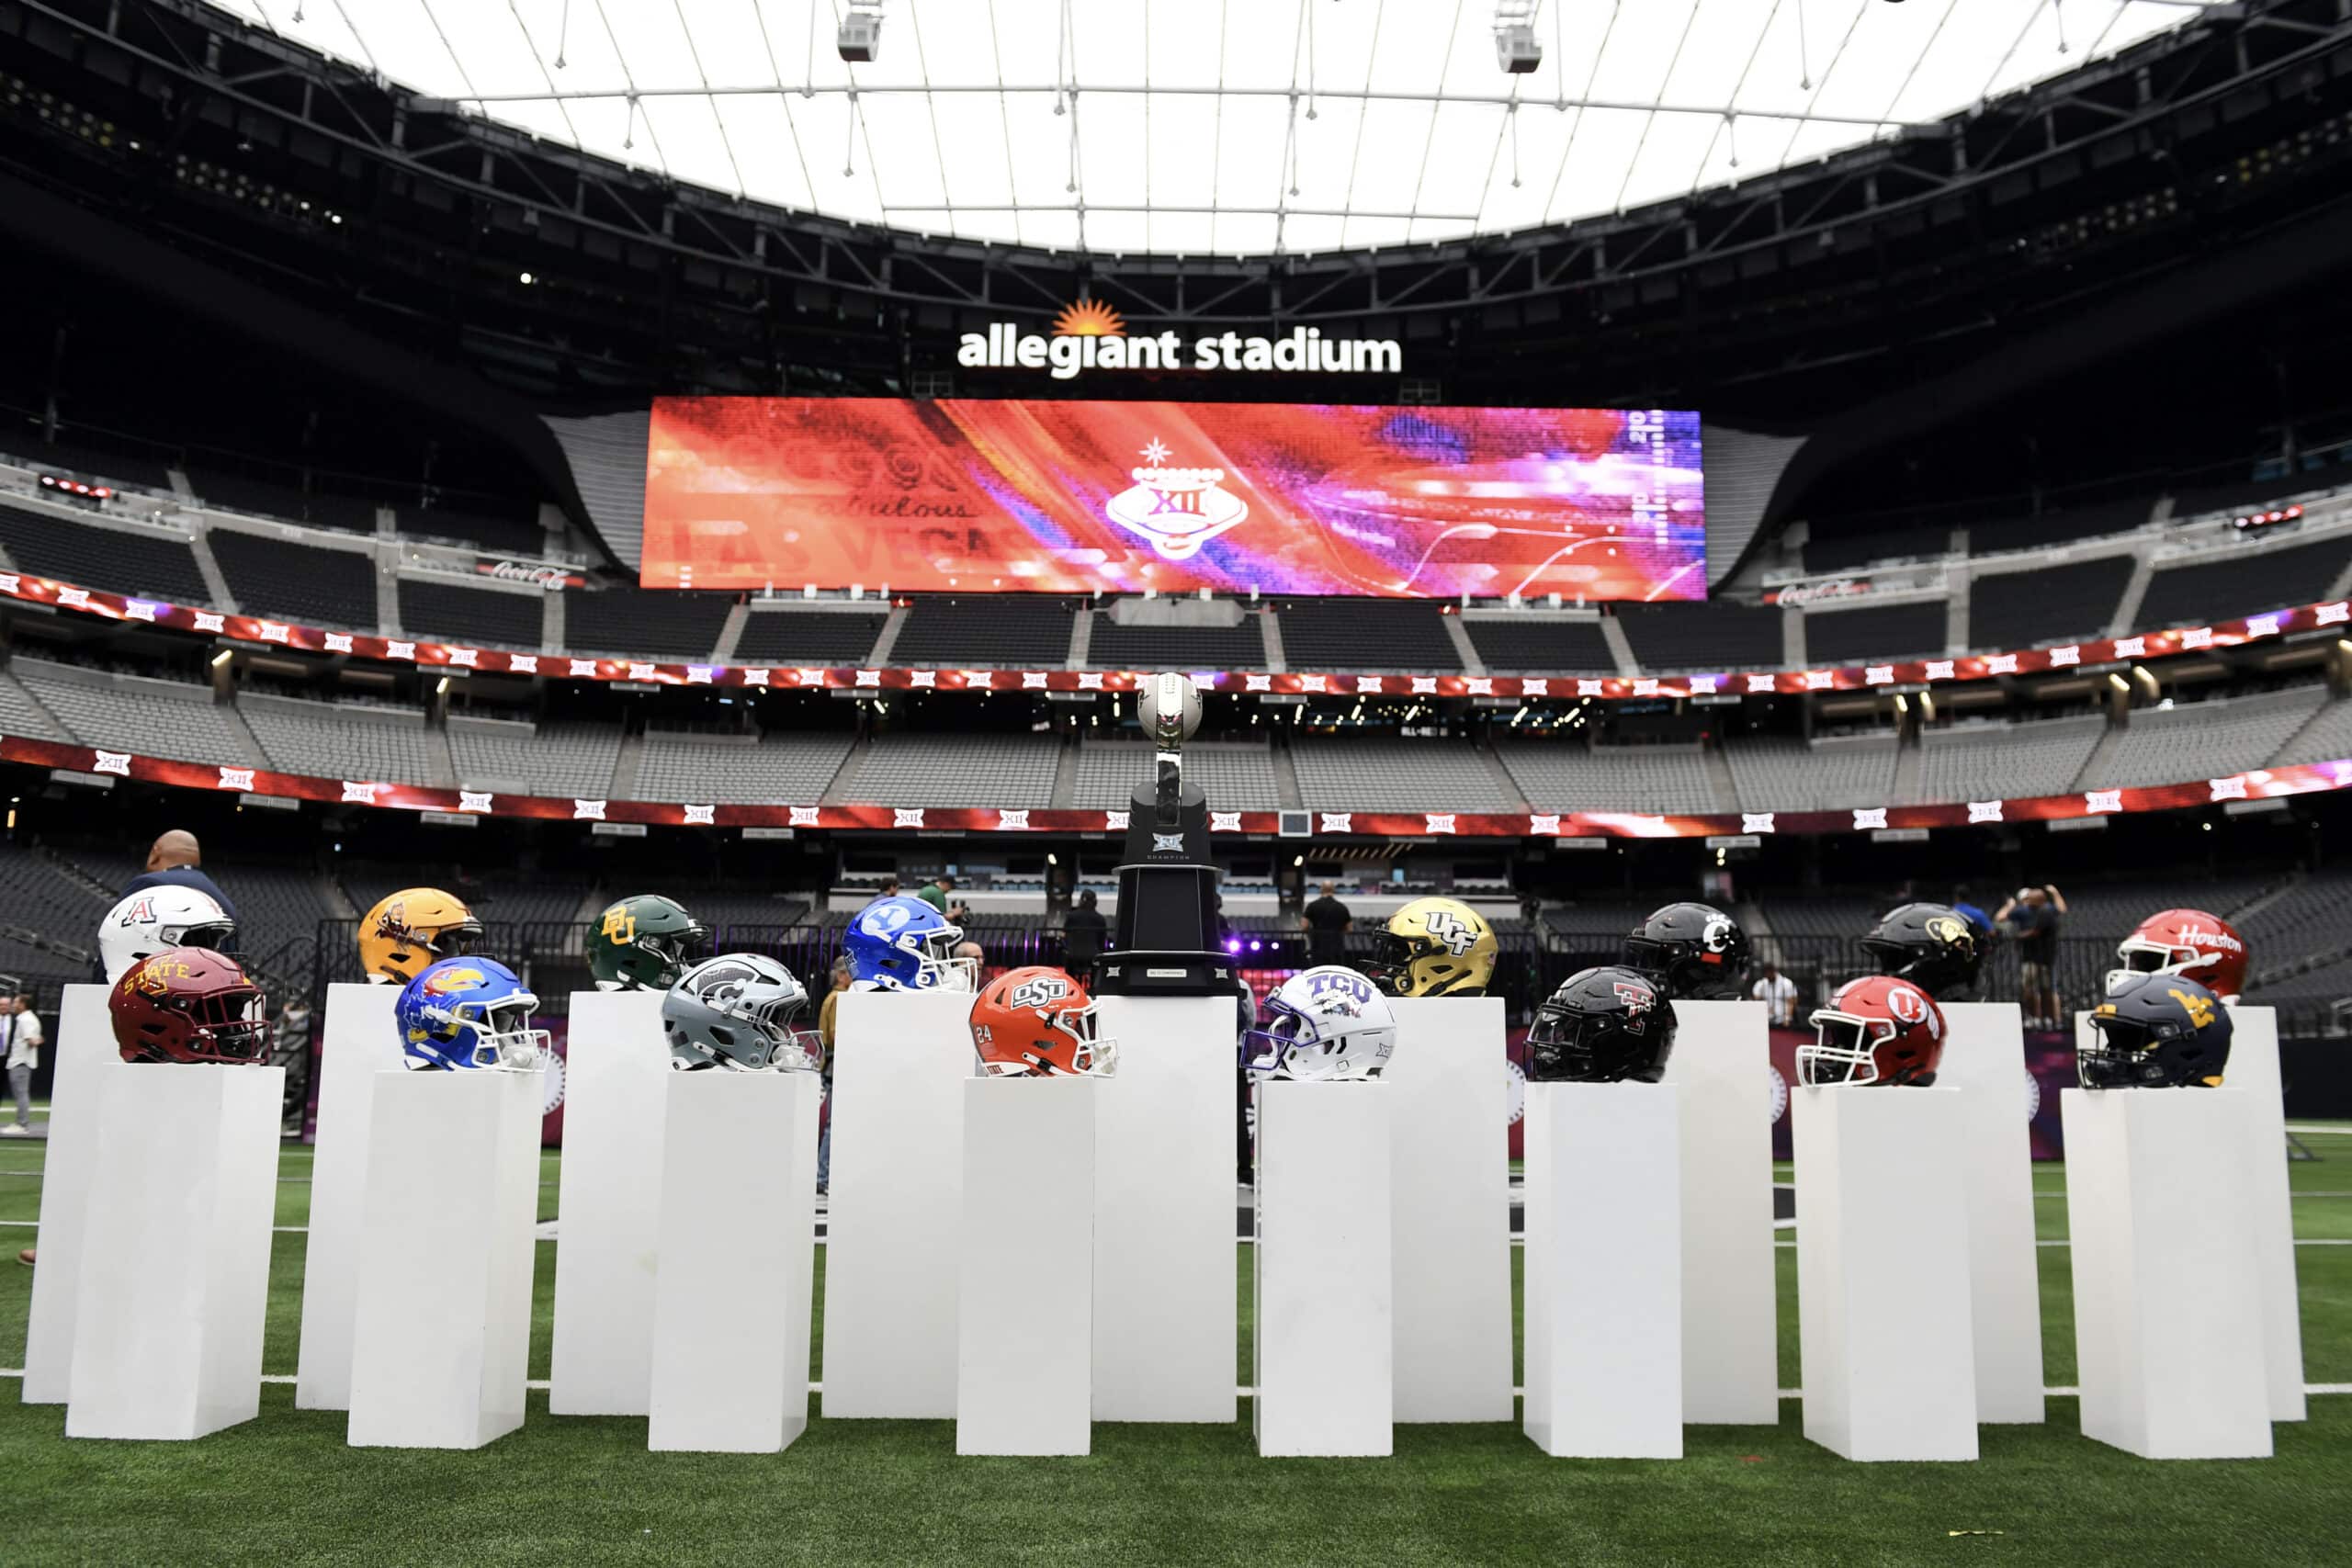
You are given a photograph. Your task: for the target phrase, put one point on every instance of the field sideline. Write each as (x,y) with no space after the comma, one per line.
(286,1489)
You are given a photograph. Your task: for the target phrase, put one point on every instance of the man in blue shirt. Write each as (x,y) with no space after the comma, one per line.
(1963,904)
(173,862)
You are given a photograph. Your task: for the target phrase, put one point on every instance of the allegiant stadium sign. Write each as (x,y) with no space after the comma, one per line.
(1091,335)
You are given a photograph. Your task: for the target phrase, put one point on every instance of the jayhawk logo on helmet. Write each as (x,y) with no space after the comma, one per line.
(1039,1022)
(1434,947)
(469,1012)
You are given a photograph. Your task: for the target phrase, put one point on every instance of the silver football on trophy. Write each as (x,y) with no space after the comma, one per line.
(1169,706)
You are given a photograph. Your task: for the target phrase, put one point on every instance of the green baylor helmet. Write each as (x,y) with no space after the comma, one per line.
(644,942)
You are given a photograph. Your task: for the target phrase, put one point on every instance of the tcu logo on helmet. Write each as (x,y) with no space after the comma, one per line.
(1339,986)
(1037,992)
(1445,926)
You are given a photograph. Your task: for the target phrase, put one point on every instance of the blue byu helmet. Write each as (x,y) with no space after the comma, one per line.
(904,945)
(469,1012)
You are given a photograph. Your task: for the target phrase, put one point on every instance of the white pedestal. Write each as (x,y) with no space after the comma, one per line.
(1722,1074)
(441,1333)
(359,1041)
(729,1371)
(84,1049)
(1450,1209)
(1604,1279)
(1026,1346)
(2269,1213)
(1984,1060)
(2157,1197)
(1164,1253)
(1325,1285)
(175,1260)
(896,1207)
(1883,1313)
(616,1083)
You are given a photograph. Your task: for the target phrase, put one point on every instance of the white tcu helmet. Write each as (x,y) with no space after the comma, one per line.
(146,922)
(1325,1022)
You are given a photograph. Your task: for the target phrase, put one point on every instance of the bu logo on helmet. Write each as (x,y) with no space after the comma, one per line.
(1451,929)
(620,924)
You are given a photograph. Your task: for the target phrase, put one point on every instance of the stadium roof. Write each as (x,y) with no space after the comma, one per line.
(1215,126)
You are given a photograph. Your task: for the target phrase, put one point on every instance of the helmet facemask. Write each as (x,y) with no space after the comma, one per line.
(2142,956)
(502,1038)
(767,1011)
(936,966)
(1844,1053)
(227,1027)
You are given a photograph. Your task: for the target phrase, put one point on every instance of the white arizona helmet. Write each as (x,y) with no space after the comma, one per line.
(1325,1022)
(148,921)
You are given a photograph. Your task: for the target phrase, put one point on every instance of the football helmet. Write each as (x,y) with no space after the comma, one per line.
(1693,951)
(189,1004)
(1929,945)
(644,942)
(1880,1028)
(144,923)
(903,945)
(469,1012)
(2155,1030)
(2184,942)
(1433,947)
(408,931)
(1605,1025)
(737,1011)
(1039,1022)
(1324,1023)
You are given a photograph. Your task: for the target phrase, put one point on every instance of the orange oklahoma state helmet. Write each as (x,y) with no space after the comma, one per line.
(1039,1022)
(410,930)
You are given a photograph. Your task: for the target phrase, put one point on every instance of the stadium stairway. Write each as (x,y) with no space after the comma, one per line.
(1285,773)
(1270,625)
(1066,766)
(1612,632)
(730,632)
(632,751)
(1910,764)
(1462,648)
(1082,649)
(836,787)
(1727,788)
(2127,608)
(1515,799)
(2101,761)
(892,625)
(216,582)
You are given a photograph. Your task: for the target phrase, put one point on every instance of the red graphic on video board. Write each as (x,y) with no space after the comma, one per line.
(1069,496)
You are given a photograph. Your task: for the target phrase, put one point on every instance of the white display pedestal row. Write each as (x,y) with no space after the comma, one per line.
(358,1044)
(84,1050)
(1984,1060)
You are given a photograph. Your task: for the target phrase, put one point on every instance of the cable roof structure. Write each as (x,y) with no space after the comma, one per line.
(1213,126)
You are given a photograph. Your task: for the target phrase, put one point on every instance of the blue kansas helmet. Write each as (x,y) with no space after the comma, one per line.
(469,1012)
(904,945)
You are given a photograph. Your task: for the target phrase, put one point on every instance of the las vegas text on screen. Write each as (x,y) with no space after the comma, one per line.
(1004,347)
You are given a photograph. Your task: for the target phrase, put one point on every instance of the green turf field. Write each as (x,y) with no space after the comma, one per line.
(285,1490)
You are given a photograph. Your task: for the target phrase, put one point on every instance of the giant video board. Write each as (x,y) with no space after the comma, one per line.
(1066,496)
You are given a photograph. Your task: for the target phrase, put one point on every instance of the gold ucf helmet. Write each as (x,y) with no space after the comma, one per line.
(412,928)
(1434,947)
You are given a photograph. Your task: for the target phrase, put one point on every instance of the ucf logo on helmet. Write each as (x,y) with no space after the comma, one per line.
(1445,926)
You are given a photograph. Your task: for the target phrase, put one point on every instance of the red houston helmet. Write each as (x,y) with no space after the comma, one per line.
(2189,942)
(1877,1030)
(189,1004)
(1039,1022)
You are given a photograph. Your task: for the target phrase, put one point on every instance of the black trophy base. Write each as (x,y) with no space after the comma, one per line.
(1142,974)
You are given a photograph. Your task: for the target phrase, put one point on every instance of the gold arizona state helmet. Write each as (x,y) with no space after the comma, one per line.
(412,929)
(1434,947)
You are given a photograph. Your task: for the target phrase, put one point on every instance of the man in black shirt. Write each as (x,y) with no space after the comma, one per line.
(2032,918)
(1083,934)
(1328,924)
(172,861)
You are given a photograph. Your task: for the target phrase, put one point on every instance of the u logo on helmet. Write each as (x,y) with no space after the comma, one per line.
(1906,1004)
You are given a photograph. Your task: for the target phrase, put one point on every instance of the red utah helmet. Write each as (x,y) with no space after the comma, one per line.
(1039,1022)
(2188,942)
(1876,1030)
(189,1004)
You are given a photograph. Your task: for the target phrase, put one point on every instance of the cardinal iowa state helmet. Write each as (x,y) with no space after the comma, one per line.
(2156,1031)
(644,942)
(1929,945)
(189,1004)
(1876,1030)
(737,1013)
(1693,951)
(1604,1025)
(1325,1022)
(408,931)
(154,918)
(2188,942)
(1039,1022)
(1433,947)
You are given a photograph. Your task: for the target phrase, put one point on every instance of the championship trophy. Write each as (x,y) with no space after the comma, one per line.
(1164,943)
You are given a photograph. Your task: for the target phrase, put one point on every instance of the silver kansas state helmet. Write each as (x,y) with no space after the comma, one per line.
(736,1011)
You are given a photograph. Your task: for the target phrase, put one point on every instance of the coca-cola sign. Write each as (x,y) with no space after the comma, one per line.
(1797,594)
(554,579)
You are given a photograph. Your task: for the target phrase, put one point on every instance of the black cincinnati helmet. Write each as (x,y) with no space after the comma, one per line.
(1693,951)
(2156,1031)
(1929,945)
(1604,1025)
